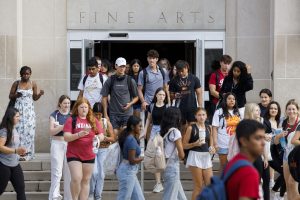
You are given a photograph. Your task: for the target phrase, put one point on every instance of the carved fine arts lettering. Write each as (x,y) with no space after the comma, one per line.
(129,17)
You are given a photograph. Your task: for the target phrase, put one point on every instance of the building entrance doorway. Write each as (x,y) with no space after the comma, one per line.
(197,48)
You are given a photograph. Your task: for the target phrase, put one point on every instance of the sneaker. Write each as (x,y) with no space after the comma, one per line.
(158,188)
(271,183)
(278,197)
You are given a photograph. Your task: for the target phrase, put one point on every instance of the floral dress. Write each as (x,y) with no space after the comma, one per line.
(26,126)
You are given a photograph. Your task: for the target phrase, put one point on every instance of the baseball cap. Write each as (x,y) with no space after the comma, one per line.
(120,61)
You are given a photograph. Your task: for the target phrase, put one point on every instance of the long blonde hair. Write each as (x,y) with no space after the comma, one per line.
(90,116)
(249,111)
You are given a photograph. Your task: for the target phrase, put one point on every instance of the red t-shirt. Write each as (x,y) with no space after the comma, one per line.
(212,81)
(81,148)
(244,182)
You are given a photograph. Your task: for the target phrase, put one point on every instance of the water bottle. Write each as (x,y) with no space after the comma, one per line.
(95,144)
(282,140)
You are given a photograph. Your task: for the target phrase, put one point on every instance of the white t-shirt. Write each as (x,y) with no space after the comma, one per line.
(223,130)
(92,88)
(169,143)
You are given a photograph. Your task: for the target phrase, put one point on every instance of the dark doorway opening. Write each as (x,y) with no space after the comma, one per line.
(172,50)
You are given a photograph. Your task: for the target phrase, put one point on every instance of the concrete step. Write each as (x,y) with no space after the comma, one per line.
(110,185)
(106,195)
(46,176)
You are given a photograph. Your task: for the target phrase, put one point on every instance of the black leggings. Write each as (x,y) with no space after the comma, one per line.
(15,176)
(264,175)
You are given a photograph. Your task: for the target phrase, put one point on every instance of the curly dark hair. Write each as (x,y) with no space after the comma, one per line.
(244,74)
(132,122)
(171,119)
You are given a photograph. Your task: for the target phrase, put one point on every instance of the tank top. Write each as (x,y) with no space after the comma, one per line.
(195,136)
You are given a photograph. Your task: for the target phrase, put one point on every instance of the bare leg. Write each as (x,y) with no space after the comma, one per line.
(76,177)
(87,170)
(223,161)
(198,181)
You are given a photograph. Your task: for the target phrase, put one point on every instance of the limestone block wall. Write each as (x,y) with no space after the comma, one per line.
(286,50)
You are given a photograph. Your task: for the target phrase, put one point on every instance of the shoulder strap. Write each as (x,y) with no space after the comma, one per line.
(145,77)
(101,78)
(195,129)
(162,72)
(217,79)
(74,119)
(112,81)
(170,130)
(130,88)
(235,167)
(84,79)
(208,128)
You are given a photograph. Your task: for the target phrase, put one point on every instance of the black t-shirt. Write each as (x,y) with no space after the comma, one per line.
(186,87)
(263,110)
(157,113)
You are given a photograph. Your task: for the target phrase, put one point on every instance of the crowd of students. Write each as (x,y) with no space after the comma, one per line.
(119,109)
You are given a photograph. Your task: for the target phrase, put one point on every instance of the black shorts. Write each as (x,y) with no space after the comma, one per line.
(188,115)
(79,160)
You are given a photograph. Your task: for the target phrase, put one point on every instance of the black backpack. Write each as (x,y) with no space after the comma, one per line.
(86,76)
(294,163)
(129,84)
(146,78)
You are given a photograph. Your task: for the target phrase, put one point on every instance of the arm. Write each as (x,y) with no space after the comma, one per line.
(80,95)
(295,140)
(213,91)
(249,83)
(132,159)
(6,150)
(199,97)
(186,139)
(179,147)
(36,96)
(166,89)
(141,96)
(54,129)
(111,132)
(215,137)
(104,104)
(133,101)
(148,122)
(13,94)
(69,137)
(278,136)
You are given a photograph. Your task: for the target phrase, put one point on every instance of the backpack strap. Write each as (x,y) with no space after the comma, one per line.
(162,72)
(112,81)
(101,78)
(145,78)
(74,119)
(84,79)
(239,164)
(86,76)
(217,79)
(130,87)
(195,129)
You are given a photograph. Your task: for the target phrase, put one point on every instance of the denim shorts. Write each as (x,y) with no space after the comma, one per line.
(118,121)
(223,151)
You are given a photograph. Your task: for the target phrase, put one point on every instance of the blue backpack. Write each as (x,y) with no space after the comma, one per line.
(217,189)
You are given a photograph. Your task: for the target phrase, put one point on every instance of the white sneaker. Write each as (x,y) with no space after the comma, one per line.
(158,188)
(278,197)
(271,183)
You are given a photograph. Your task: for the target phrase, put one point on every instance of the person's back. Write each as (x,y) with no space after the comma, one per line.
(244,182)
(246,178)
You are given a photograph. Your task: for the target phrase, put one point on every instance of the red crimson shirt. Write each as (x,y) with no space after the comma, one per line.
(212,81)
(244,182)
(81,148)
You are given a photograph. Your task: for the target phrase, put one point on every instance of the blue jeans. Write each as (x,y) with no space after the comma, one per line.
(129,186)
(97,179)
(172,185)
